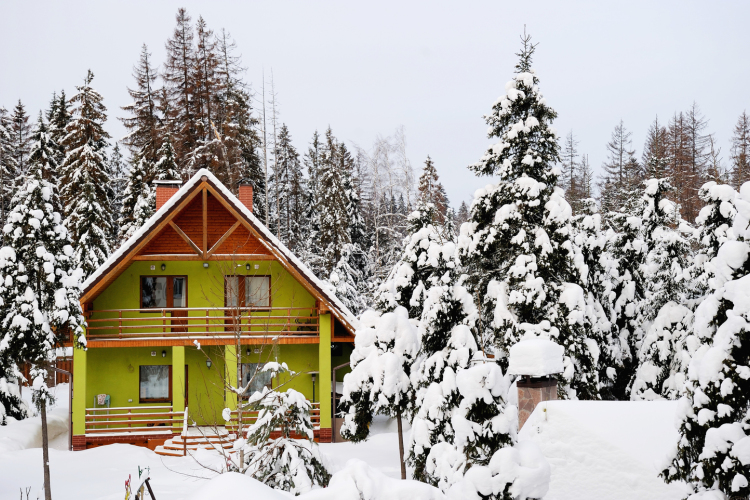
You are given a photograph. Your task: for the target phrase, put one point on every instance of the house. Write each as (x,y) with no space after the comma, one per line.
(202,294)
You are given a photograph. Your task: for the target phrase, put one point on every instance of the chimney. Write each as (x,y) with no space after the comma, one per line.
(535,361)
(246,194)
(165,190)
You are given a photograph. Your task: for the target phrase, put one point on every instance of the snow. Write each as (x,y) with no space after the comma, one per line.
(536,357)
(23,434)
(605,449)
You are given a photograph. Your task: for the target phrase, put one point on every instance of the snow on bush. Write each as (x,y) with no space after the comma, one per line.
(291,461)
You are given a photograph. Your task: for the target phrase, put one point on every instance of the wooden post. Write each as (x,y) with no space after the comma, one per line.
(120,329)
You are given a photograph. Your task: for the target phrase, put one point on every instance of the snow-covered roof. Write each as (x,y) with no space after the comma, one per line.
(267,238)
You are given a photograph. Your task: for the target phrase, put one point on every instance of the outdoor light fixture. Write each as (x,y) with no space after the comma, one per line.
(314,376)
(164,353)
(163,267)
(205,264)
(247,266)
(208,363)
(247,352)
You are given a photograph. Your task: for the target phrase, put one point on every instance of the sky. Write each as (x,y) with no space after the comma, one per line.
(435,68)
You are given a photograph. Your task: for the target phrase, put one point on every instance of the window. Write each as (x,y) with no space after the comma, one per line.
(252,374)
(155,383)
(255,291)
(258,291)
(163,292)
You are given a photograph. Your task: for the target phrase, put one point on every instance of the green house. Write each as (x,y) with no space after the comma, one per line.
(202,295)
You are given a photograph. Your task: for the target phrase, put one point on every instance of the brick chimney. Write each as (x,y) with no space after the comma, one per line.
(535,361)
(246,194)
(165,190)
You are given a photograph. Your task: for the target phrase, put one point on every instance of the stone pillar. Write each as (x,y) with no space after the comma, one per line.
(531,392)
(178,378)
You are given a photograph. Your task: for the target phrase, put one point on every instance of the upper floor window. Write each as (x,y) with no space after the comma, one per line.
(163,291)
(248,291)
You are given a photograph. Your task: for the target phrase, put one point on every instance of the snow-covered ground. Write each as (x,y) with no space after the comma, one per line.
(597,450)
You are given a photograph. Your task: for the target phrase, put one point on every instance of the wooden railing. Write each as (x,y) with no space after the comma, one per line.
(249,417)
(201,322)
(134,419)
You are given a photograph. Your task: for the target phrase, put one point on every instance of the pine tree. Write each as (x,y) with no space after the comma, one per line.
(569,179)
(664,275)
(85,179)
(620,170)
(59,118)
(7,166)
(20,132)
(462,215)
(285,183)
(118,172)
(518,243)
(138,200)
(431,191)
(385,349)
(165,167)
(628,250)
(43,151)
(143,137)
(711,453)
(740,154)
(331,203)
(42,288)
(312,252)
(179,82)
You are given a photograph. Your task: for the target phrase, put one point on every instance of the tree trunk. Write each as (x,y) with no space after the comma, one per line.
(45,450)
(401,445)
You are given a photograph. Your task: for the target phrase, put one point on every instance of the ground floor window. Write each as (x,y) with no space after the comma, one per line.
(155,384)
(253,374)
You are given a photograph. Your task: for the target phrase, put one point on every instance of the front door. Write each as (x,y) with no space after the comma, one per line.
(177,293)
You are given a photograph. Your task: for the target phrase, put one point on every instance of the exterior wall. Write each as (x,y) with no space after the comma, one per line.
(205,288)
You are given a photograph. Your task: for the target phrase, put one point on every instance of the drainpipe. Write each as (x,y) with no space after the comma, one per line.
(70,403)
(333,408)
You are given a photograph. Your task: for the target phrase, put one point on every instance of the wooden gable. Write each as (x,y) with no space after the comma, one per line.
(225,235)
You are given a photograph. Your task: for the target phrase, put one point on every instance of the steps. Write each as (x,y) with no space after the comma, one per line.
(197,439)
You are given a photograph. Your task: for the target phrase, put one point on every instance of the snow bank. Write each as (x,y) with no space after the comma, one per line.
(605,449)
(27,433)
(359,481)
(235,485)
(536,357)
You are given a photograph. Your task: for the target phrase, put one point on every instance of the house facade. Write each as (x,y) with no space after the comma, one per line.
(200,297)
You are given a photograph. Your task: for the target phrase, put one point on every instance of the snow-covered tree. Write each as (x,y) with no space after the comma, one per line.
(165,167)
(385,348)
(43,151)
(517,243)
(143,122)
(20,133)
(714,223)
(333,232)
(432,191)
(7,165)
(664,274)
(138,200)
(42,285)
(84,185)
(291,461)
(408,281)
(713,452)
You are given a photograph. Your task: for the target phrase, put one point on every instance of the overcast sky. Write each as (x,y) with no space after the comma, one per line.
(433,67)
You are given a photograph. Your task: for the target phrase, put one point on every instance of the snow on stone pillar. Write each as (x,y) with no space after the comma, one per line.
(535,361)
(165,190)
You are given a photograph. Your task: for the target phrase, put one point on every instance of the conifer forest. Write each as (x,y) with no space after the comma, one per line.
(638,268)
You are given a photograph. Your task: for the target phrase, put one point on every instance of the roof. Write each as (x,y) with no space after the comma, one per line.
(172,207)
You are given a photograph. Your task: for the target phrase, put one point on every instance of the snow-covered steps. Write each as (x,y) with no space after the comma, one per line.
(195,440)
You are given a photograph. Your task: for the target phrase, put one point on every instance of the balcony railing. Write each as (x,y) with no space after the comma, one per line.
(249,417)
(133,419)
(107,324)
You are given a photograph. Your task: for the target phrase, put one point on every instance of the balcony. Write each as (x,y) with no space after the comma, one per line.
(202,323)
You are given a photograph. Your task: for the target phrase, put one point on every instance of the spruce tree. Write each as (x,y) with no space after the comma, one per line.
(712,452)
(59,118)
(43,151)
(432,191)
(333,231)
(20,132)
(85,179)
(518,242)
(143,137)
(7,166)
(42,288)
(165,167)
(138,199)
(359,256)
(385,349)
(740,152)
